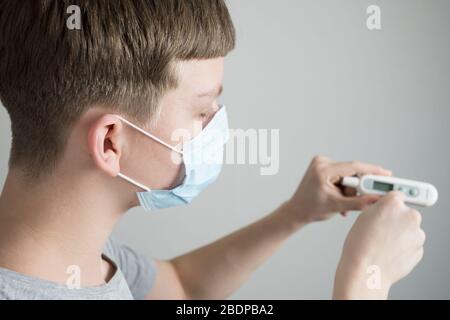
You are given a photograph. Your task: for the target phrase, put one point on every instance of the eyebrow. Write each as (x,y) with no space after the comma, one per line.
(212,93)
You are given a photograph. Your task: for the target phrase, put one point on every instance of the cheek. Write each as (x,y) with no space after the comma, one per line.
(159,166)
(163,167)
(151,164)
(178,124)
(180,132)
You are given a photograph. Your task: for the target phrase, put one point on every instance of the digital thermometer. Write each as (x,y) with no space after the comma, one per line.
(416,192)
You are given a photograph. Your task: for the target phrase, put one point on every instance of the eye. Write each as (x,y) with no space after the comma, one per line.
(204,115)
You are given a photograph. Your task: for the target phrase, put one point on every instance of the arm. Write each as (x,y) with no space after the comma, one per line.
(223,268)
(379,238)
(218,269)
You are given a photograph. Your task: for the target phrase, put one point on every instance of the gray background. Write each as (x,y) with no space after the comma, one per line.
(313,70)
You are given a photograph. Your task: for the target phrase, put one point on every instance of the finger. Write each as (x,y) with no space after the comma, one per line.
(346,169)
(391,197)
(356,203)
(349,192)
(321,159)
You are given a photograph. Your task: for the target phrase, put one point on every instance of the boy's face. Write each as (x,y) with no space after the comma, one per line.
(188,108)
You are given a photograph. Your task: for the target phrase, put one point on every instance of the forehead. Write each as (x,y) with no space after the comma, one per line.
(200,76)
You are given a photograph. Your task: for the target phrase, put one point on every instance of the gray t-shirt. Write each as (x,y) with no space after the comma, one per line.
(133,279)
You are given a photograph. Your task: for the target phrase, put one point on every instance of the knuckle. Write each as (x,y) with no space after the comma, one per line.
(379,168)
(415,217)
(421,253)
(397,200)
(394,199)
(422,237)
(317,168)
(318,159)
(354,163)
(315,173)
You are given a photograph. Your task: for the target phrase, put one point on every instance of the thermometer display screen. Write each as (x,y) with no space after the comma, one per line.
(380,186)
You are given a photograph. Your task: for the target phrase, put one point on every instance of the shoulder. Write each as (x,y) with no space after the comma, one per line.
(110,249)
(138,269)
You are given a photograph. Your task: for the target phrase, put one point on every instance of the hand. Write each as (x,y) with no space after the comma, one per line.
(387,236)
(319,196)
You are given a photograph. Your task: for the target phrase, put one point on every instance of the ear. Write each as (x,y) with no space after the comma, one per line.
(105,143)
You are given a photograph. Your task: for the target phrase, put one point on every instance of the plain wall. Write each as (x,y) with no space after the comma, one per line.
(313,70)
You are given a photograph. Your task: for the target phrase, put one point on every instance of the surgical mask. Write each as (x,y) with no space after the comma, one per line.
(202,157)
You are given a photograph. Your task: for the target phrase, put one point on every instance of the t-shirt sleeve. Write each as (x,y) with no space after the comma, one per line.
(139,271)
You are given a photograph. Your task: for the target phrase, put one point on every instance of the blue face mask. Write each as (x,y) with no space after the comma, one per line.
(202,157)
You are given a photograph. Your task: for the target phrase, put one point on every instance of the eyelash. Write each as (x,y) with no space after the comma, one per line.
(204,115)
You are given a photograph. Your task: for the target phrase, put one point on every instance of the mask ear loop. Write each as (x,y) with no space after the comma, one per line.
(145,133)
(128,179)
(137,184)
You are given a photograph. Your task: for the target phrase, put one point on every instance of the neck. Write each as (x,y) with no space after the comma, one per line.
(46,229)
